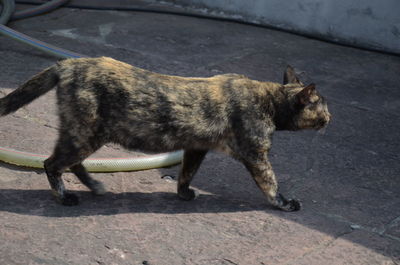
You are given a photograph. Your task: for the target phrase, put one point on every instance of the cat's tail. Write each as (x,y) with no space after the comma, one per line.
(38,85)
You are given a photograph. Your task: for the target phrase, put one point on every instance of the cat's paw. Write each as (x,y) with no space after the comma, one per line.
(283,204)
(99,189)
(188,194)
(293,205)
(69,199)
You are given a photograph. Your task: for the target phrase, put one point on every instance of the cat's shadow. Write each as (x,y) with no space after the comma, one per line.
(43,204)
(215,199)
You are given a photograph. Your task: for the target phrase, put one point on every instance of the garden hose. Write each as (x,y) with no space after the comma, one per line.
(26,159)
(43,8)
(7,9)
(96,164)
(45,47)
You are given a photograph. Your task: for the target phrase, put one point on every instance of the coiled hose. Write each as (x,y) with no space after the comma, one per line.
(7,14)
(43,8)
(26,159)
(7,10)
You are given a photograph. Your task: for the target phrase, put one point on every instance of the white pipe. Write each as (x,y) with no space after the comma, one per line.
(96,164)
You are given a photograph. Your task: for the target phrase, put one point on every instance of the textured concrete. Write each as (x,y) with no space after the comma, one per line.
(364,23)
(347,178)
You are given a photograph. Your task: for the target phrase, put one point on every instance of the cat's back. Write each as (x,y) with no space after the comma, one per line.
(91,79)
(108,72)
(101,70)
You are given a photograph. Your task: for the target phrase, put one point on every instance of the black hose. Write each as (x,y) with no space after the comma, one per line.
(43,8)
(320,37)
(43,46)
(8,5)
(204,16)
(7,10)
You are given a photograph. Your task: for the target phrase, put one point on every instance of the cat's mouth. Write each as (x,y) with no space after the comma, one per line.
(322,124)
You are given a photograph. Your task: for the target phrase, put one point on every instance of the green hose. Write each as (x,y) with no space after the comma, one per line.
(96,164)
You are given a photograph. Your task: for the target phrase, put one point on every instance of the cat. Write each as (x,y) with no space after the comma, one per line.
(102,100)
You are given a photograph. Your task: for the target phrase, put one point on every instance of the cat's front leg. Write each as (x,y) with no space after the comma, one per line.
(264,176)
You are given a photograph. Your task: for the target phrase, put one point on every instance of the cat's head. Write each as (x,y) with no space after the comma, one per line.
(309,110)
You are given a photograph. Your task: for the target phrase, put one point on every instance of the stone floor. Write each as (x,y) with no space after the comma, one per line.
(347,178)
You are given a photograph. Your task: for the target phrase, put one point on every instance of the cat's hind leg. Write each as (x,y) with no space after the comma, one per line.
(55,167)
(95,186)
(54,172)
(68,153)
(190,164)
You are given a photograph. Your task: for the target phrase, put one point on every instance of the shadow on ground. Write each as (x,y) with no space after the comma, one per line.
(41,203)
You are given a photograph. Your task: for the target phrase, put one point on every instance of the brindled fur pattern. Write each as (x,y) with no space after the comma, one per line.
(102,100)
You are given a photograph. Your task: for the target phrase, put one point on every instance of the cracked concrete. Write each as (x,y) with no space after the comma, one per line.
(347,177)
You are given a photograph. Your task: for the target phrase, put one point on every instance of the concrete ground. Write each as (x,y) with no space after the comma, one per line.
(348,178)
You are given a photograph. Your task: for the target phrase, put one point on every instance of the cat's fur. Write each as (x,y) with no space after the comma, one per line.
(101,100)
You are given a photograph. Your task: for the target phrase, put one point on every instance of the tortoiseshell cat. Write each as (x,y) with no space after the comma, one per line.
(102,100)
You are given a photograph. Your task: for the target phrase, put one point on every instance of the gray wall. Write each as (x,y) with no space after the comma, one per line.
(365,23)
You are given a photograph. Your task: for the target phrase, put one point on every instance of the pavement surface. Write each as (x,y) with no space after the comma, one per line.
(347,178)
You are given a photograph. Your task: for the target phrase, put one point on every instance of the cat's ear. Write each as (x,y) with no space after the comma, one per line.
(304,96)
(290,76)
